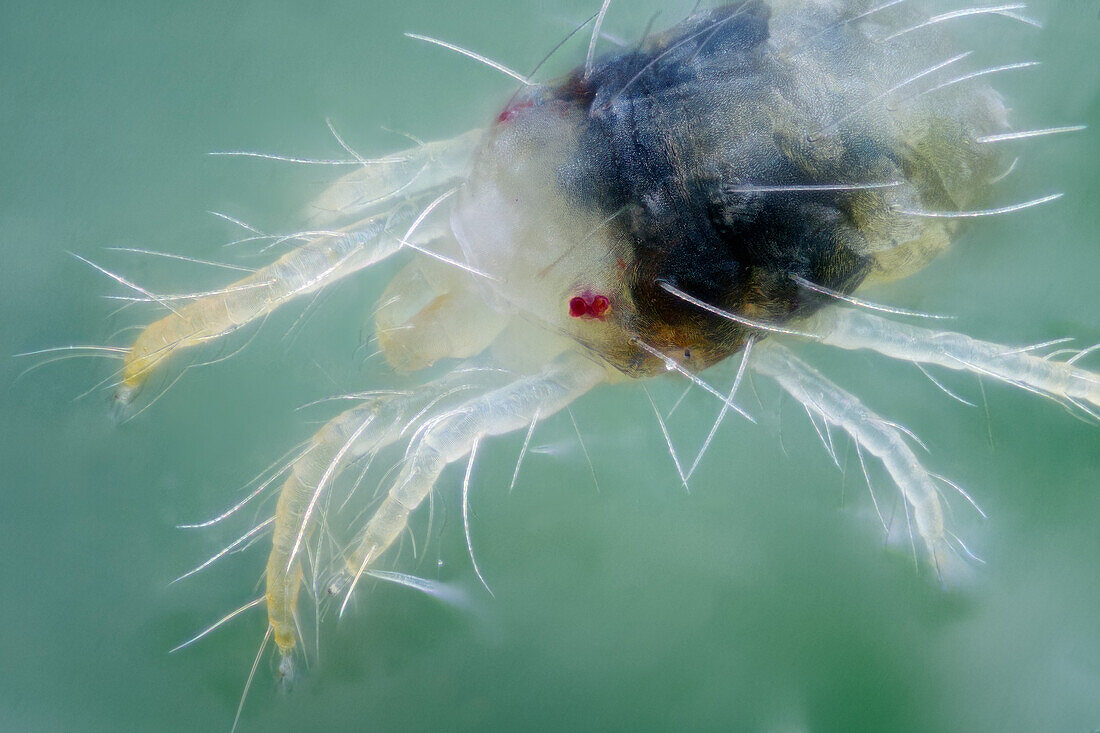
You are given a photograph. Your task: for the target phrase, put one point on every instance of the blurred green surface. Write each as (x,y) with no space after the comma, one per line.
(764,600)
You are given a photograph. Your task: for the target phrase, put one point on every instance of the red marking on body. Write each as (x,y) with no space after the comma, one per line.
(589,306)
(513,109)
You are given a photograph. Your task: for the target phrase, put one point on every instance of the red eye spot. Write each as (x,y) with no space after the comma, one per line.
(589,306)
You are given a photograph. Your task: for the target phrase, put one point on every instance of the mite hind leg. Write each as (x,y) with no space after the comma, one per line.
(871,433)
(1061,381)
(454,434)
(359,432)
(327,257)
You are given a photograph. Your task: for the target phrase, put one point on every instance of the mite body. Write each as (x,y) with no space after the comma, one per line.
(720,190)
(725,163)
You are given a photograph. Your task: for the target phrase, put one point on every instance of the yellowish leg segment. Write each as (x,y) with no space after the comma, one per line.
(299,272)
(319,262)
(364,429)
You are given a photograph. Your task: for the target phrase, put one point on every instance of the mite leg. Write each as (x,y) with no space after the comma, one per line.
(871,433)
(1062,381)
(320,261)
(300,271)
(377,182)
(364,429)
(451,436)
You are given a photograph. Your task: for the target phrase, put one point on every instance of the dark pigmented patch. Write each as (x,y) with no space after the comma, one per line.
(675,138)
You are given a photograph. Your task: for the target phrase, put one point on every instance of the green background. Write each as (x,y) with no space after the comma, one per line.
(764,600)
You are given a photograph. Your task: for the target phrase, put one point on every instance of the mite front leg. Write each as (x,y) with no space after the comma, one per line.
(304,270)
